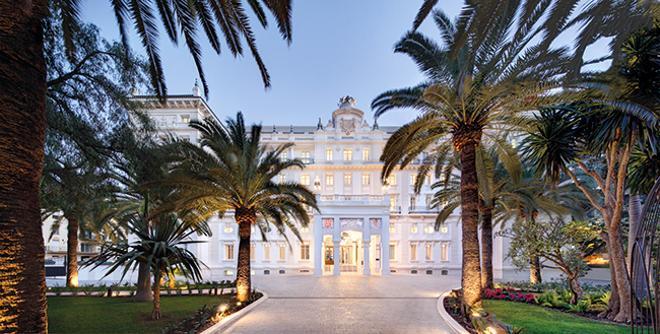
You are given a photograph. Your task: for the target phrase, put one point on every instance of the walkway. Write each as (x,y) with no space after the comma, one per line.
(347,304)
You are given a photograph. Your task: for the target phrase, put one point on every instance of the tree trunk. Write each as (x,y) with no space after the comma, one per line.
(143,293)
(471,272)
(155,313)
(72,252)
(487,247)
(535,270)
(614,305)
(617,261)
(244,218)
(634,216)
(22,133)
(576,289)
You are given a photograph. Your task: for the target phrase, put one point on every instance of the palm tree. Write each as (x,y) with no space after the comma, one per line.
(231,170)
(475,85)
(161,246)
(22,97)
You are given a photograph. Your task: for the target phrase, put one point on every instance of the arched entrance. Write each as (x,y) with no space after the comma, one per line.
(350,255)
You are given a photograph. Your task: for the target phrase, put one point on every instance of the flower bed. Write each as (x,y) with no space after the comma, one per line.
(127,289)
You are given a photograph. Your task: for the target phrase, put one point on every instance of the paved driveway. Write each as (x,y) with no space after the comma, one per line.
(347,304)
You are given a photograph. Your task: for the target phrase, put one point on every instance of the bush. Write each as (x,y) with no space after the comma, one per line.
(510,294)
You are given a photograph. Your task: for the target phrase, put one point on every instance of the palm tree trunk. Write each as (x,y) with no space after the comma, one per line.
(487,247)
(155,313)
(471,272)
(72,252)
(244,218)
(22,133)
(535,270)
(143,293)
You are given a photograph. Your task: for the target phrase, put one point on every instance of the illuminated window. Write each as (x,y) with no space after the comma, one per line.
(392,228)
(228,229)
(444,251)
(348,155)
(366,179)
(413,176)
(428,251)
(365,154)
(305,180)
(392,251)
(444,228)
(329,180)
(229,251)
(428,229)
(253,251)
(391,180)
(304,251)
(348,179)
(282,178)
(267,252)
(282,252)
(392,202)
(413,228)
(305,156)
(413,251)
(185,119)
(328,154)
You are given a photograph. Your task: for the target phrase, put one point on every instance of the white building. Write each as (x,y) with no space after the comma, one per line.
(365,227)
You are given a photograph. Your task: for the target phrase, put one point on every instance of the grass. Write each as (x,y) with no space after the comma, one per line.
(120,315)
(540,320)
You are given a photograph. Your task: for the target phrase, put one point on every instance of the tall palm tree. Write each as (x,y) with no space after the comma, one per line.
(161,246)
(232,170)
(476,83)
(22,101)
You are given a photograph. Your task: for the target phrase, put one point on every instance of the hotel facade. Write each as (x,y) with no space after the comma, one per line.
(364,227)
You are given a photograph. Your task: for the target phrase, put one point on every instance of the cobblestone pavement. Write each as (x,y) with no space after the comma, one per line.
(347,304)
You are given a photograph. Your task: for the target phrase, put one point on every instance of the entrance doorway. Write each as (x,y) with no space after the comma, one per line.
(350,251)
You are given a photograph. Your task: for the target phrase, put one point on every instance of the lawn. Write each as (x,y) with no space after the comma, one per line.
(120,315)
(539,320)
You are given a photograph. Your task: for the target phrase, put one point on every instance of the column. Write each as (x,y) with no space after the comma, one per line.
(318,245)
(385,245)
(366,244)
(336,255)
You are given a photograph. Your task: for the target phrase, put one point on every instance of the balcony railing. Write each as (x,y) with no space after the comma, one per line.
(351,198)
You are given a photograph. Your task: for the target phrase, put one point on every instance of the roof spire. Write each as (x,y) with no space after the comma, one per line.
(196,90)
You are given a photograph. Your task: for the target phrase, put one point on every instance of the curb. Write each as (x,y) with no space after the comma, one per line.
(446,317)
(223,324)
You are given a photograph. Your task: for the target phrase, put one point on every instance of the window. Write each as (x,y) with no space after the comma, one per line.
(392,228)
(253,251)
(444,251)
(392,251)
(413,228)
(282,178)
(305,154)
(428,229)
(366,179)
(348,179)
(85,248)
(413,251)
(304,251)
(428,200)
(392,202)
(329,180)
(229,251)
(304,180)
(413,201)
(427,179)
(282,252)
(428,251)
(413,176)
(348,155)
(228,229)
(266,252)
(185,118)
(365,154)
(328,154)
(391,180)
(444,228)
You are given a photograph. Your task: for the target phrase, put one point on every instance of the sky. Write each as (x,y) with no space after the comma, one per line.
(340,47)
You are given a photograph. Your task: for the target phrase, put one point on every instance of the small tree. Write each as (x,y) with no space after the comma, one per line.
(564,244)
(161,246)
